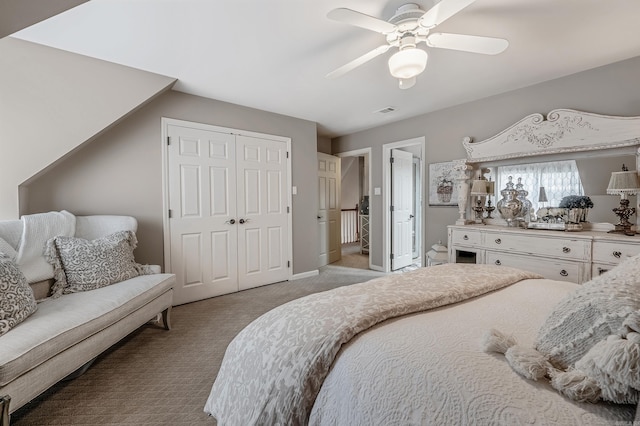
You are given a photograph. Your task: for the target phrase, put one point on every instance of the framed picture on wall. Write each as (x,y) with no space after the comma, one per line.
(442,186)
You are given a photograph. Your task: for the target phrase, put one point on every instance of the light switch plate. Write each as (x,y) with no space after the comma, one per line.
(377,191)
(294,190)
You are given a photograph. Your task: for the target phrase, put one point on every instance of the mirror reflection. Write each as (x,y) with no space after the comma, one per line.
(550,184)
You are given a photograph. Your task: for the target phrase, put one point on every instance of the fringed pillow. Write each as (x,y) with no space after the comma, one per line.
(82,265)
(16,297)
(589,346)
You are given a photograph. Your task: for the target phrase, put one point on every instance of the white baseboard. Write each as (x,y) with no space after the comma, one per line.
(376,268)
(304,275)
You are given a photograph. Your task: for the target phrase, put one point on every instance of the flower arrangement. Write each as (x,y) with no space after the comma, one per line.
(576,202)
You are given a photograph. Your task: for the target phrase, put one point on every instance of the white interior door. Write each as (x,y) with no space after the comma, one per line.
(229,225)
(329,209)
(202,201)
(402,209)
(262,211)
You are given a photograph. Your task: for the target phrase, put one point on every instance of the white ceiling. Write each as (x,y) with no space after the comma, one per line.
(274,54)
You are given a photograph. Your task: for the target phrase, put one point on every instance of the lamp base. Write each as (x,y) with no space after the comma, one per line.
(623,212)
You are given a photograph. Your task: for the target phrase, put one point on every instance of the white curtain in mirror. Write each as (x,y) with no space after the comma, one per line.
(559,178)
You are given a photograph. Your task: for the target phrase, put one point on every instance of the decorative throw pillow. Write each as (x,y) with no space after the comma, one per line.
(16,297)
(82,265)
(591,313)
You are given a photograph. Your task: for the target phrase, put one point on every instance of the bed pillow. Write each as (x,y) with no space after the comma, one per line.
(591,313)
(82,265)
(16,297)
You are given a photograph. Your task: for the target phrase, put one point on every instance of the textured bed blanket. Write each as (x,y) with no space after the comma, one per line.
(273,369)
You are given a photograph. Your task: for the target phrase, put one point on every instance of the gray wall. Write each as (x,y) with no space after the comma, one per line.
(52,101)
(612,90)
(121,171)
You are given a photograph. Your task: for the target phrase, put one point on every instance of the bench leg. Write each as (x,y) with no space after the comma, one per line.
(4,410)
(166,318)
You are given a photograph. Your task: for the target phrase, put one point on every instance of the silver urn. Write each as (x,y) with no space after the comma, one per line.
(509,206)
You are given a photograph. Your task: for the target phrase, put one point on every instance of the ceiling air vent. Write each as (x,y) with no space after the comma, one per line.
(385,110)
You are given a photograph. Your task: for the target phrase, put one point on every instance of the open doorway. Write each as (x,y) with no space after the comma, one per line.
(403,204)
(355,212)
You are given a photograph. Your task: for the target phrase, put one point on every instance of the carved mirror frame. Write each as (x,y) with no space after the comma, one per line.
(561,133)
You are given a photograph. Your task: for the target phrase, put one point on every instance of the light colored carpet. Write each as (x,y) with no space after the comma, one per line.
(158,377)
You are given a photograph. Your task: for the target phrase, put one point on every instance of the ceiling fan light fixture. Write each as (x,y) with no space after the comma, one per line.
(406,83)
(407,63)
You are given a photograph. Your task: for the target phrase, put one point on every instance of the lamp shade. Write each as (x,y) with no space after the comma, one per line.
(542,195)
(407,63)
(624,183)
(491,187)
(479,187)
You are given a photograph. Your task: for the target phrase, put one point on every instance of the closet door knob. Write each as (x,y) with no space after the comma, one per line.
(466,237)
(242,221)
(617,254)
(564,273)
(498,241)
(497,262)
(231,221)
(601,270)
(566,249)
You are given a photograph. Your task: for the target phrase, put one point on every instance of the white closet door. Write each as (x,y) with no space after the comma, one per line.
(402,202)
(229,227)
(262,211)
(202,199)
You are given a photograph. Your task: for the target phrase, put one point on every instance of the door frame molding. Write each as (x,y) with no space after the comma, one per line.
(357,153)
(386,201)
(166,229)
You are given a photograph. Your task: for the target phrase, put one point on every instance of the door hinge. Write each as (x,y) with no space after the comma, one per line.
(391,256)
(391,208)
(391,160)
(168,140)
(288,264)
(287,209)
(287,154)
(170,213)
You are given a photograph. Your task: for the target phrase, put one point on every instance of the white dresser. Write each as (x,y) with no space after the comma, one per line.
(565,256)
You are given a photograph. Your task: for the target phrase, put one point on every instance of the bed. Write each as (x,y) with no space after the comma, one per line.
(403,349)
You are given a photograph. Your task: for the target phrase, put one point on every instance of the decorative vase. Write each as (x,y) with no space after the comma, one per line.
(444,191)
(527,213)
(509,206)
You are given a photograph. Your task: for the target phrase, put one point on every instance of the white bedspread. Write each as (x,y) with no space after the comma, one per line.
(273,369)
(429,369)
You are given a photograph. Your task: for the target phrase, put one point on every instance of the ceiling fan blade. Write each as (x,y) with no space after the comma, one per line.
(361,20)
(468,43)
(358,61)
(442,11)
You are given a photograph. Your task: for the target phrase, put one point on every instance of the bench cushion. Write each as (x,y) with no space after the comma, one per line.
(62,322)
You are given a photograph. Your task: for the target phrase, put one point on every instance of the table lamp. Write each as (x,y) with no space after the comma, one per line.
(479,190)
(624,183)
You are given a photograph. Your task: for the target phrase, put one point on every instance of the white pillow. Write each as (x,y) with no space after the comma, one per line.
(591,313)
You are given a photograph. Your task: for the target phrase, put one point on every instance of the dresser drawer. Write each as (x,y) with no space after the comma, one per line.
(613,252)
(544,246)
(466,237)
(551,269)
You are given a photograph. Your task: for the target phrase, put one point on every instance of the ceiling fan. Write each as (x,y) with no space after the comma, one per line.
(405,30)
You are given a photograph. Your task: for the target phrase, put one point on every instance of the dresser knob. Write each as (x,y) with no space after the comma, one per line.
(498,241)
(564,273)
(497,262)
(617,254)
(566,249)
(465,237)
